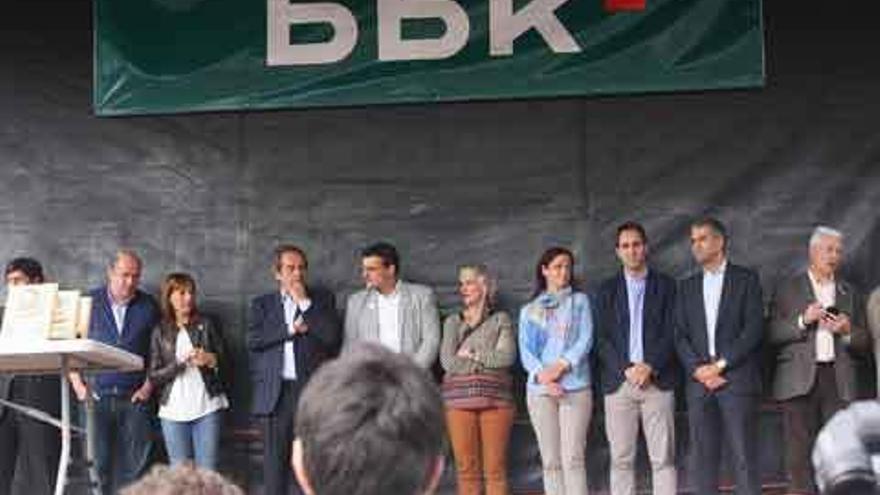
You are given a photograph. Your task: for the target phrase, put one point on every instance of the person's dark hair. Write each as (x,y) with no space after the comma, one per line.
(631,226)
(174,282)
(31,268)
(385,251)
(289,248)
(714,225)
(545,260)
(370,423)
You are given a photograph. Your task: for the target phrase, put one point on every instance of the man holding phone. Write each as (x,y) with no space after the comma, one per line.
(817,322)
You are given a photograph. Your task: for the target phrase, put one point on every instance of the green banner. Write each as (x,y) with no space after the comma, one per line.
(163,56)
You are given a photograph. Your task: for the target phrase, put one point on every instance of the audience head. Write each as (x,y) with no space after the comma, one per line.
(631,246)
(124,275)
(380,266)
(845,451)
(178,298)
(369,423)
(183,479)
(553,271)
(708,241)
(23,271)
(476,286)
(826,251)
(291,268)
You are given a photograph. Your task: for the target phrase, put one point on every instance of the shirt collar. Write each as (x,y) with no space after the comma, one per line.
(393,294)
(630,278)
(815,281)
(287,298)
(113,301)
(718,271)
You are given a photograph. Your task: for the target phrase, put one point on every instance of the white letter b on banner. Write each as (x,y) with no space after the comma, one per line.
(393,47)
(281,16)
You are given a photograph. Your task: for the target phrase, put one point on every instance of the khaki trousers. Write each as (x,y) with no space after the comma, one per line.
(653,408)
(561,426)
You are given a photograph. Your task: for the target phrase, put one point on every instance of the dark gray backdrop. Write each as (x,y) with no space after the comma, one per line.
(467,182)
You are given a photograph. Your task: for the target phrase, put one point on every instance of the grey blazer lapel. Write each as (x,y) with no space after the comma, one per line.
(807,296)
(844,299)
(404,317)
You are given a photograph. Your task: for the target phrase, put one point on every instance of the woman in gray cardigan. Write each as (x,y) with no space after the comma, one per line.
(476,352)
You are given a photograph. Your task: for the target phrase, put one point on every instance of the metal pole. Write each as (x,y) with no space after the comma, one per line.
(94,480)
(64,461)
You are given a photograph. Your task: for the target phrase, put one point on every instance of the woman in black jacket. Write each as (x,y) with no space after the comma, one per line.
(186,358)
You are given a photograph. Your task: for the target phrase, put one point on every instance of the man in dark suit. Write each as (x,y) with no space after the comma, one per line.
(636,337)
(817,320)
(719,325)
(122,316)
(290,333)
(32,445)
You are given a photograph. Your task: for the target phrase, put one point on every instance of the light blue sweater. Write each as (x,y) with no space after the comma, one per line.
(554,326)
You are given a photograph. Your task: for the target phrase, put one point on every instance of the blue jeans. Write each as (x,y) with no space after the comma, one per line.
(124,434)
(197,440)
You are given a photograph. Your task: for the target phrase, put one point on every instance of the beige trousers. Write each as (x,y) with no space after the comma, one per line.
(654,409)
(561,426)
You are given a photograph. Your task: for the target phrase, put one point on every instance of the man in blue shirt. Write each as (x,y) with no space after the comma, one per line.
(122,316)
(636,336)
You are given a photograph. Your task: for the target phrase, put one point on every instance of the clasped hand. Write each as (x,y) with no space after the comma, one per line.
(549,377)
(201,358)
(710,376)
(639,374)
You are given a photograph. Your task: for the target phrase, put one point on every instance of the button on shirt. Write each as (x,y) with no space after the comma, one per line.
(635,291)
(826,294)
(389,316)
(292,312)
(119,310)
(713,284)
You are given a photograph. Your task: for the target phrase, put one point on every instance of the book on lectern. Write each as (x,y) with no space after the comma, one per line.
(41,311)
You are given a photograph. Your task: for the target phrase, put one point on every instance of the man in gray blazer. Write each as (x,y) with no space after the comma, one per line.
(399,315)
(874,325)
(817,321)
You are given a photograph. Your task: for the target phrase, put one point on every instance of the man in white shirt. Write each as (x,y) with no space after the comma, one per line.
(817,322)
(401,316)
(719,326)
(291,332)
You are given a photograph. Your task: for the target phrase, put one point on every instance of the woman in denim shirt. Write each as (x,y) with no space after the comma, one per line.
(555,339)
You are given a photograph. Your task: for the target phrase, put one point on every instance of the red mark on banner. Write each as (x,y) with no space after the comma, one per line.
(624,5)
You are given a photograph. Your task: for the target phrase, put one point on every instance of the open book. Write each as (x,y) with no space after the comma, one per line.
(42,311)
